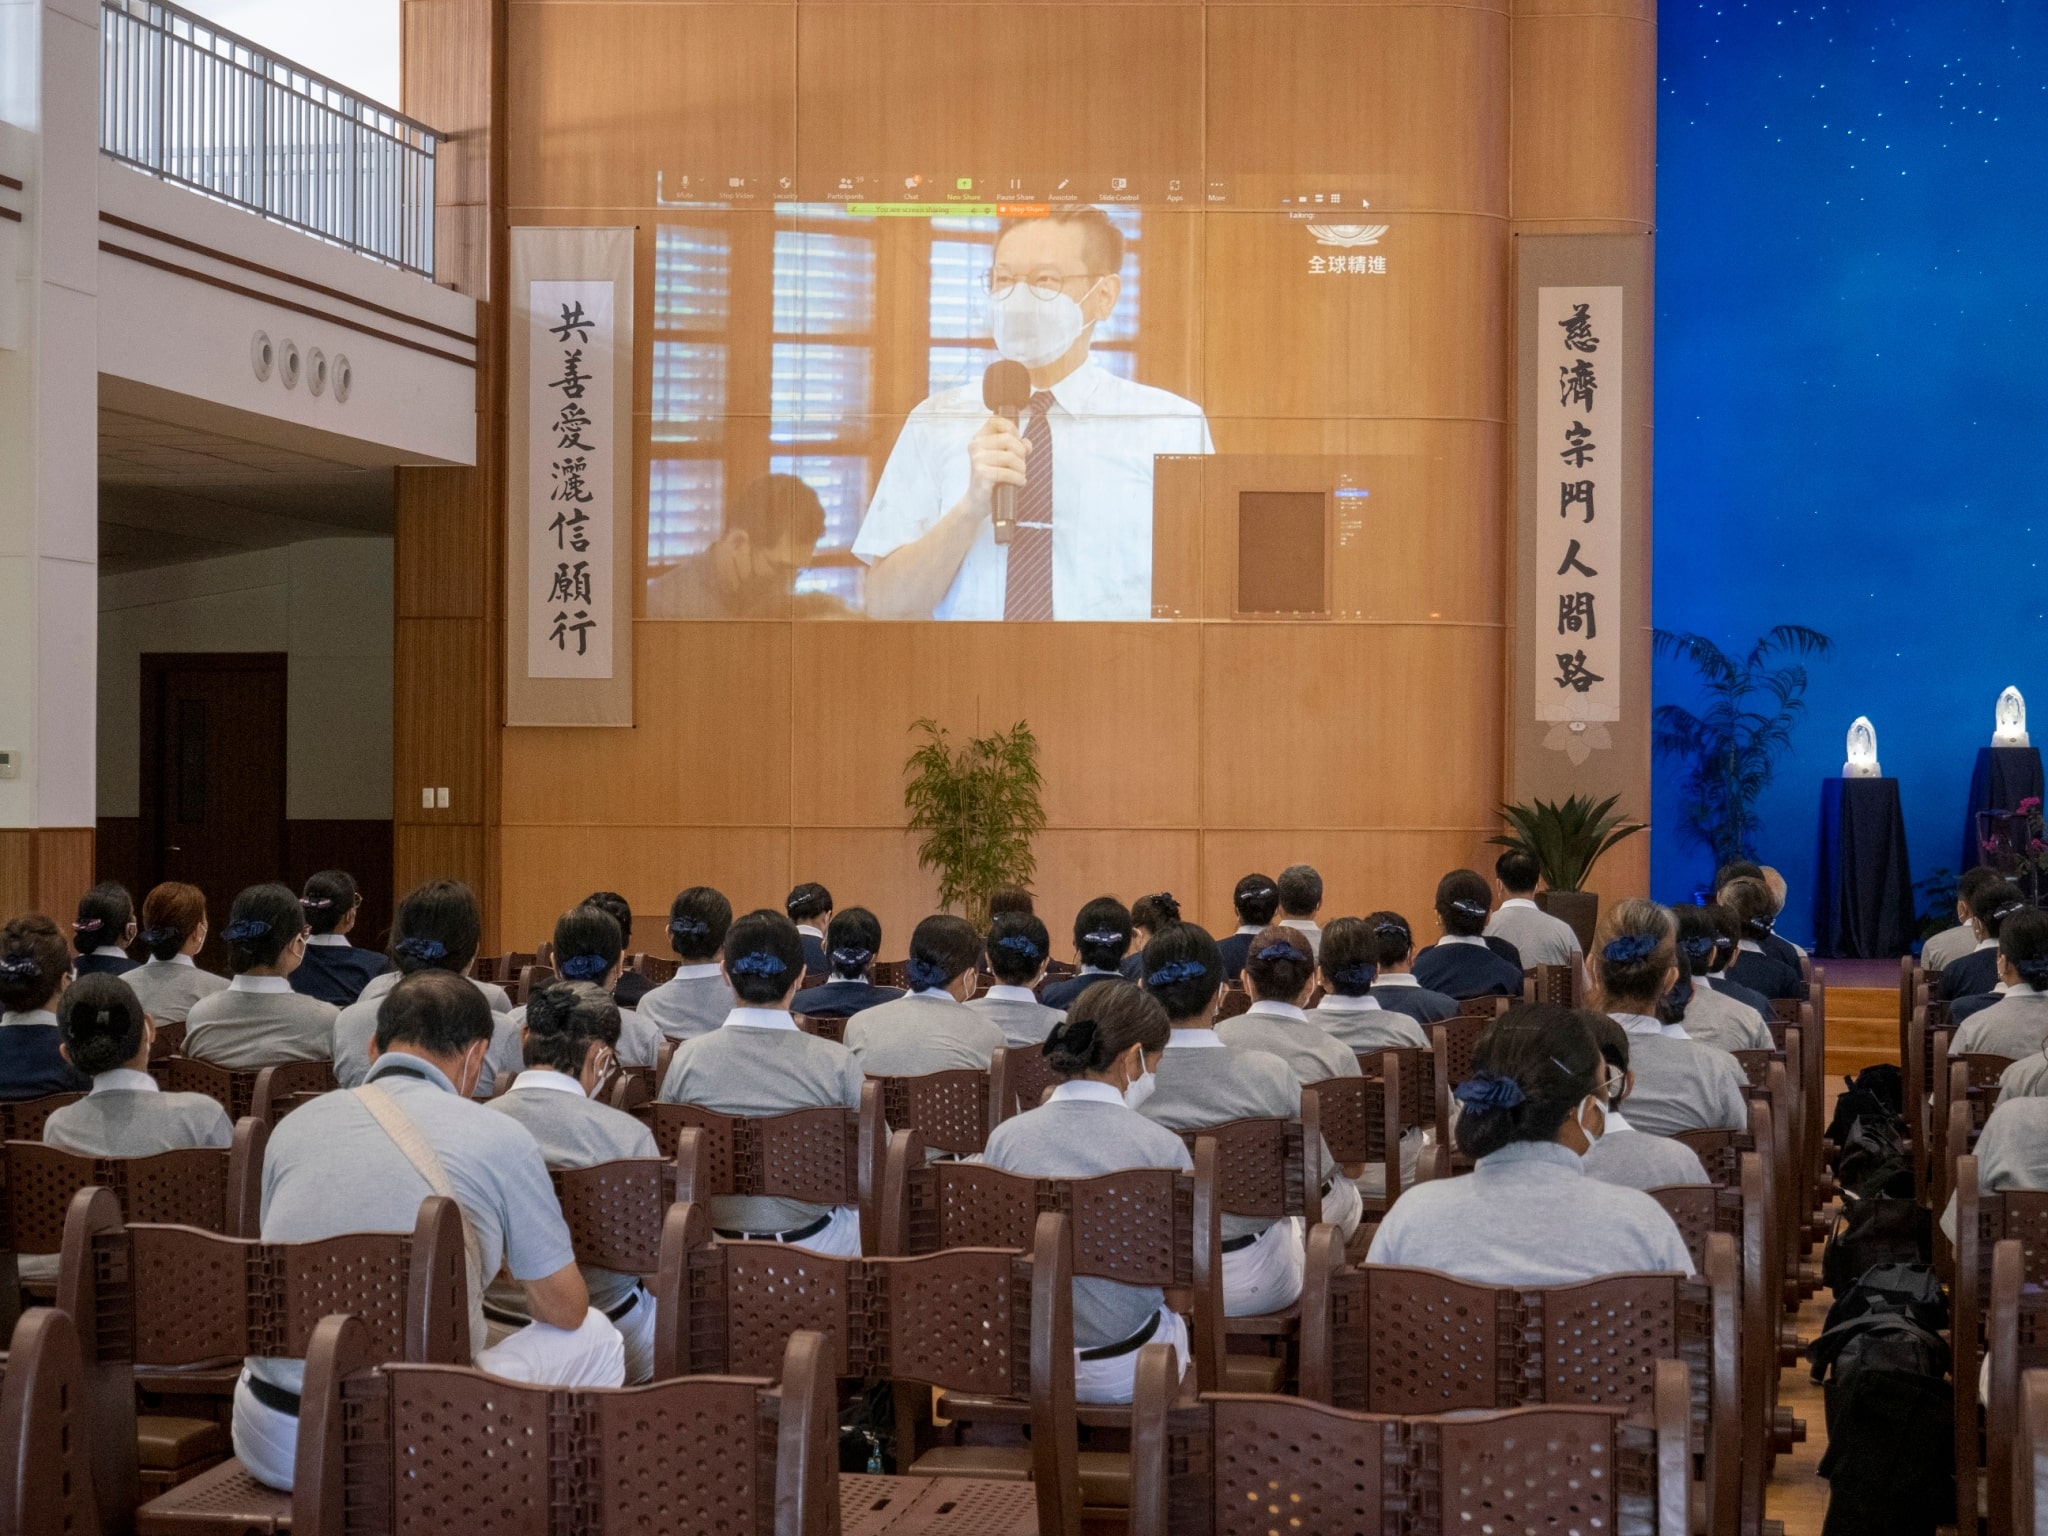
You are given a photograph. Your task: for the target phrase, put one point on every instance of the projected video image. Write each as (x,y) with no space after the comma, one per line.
(952,415)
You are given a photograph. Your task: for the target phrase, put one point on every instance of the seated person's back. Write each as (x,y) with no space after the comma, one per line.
(1538,938)
(1395,986)
(35,967)
(1256,899)
(1727,941)
(1462,964)
(1977,972)
(1624,1155)
(2017,1024)
(1349,965)
(333,969)
(103,931)
(105,1034)
(696,999)
(174,930)
(259,1021)
(1018,949)
(1755,966)
(1149,914)
(1527,1215)
(855,938)
(1680,1084)
(2012,1151)
(1952,944)
(1102,937)
(932,1029)
(1279,975)
(1708,1016)
(758,1063)
(809,906)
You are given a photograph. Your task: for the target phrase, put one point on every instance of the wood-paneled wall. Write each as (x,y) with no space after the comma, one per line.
(1177,755)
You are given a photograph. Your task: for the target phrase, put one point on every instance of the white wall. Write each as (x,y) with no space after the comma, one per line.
(326,603)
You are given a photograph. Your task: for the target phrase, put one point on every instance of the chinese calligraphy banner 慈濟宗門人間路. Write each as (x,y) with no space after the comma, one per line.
(569,478)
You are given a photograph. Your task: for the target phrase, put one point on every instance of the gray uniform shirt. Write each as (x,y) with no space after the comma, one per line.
(759,1063)
(640,1042)
(924,1032)
(357,1026)
(1204,1082)
(1541,938)
(1681,1085)
(167,989)
(1360,1024)
(1311,1053)
(1947,947)
(2012,1153)
(126,1115)
(1022,1018)
(572,1132)
(2016,1025)
(331,1168)
(1084,1130)
(688,1005)
(2026,1078)
(1715,1018)
(1638,1160)
(237,1028)
(1528,1215)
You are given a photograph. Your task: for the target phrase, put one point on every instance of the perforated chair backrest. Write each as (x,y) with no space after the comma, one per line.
(1361,1121)
(890,973)
(47,1435)
(1699,1211)
(189,1187)
(168,1041)
(1453,1040)
(280,1089)
(952,1111)
(820,1156)
(1266,1168)
(658,969)
(231,1088)
(1234,1001)
(2016,1339)
(615,1211)
(824,1025)
(1026,1078)
(1551,984)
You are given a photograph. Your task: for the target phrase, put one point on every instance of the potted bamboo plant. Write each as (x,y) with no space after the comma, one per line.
(978,809)
(1566,841)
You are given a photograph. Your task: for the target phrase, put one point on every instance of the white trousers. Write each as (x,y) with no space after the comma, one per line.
(589,1355)
(1111,1380)
(1342,1206)
(636,1332)
(1372,1183)
(841,1237)
(1266,1276)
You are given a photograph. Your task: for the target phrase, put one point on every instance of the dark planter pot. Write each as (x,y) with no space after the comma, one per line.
(1581,909)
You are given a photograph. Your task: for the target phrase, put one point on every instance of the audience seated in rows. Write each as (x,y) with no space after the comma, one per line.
(856,939)
(1680,1084)
(589,947)
(1708,1014)
(696,999)
(931,1029)
(2015,1022)
(1621,1154)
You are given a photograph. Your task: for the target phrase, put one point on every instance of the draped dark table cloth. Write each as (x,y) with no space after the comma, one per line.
(2003,777)
(1863,887)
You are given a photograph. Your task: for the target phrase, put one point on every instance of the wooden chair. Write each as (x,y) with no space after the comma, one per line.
(1233,1002)
(1488,1007)
(953,1111)
(1984,1222)
(22,1119)
(1025,1077)
(527,980)
(1551,984)
(1965,1086)
(818,1156)
(648,1080)
(1921,1067)
(1404,1341)
(48,1437)
(1143,1226)
(2016,1343)
(281,1089)
(972,1323)
(234,1088)
(896,973)
(385,1447)
(1236,1465)
(824,1026)
(655,969)
(1452,1041)
(152,1301)
(615,1210)
(2030,1454)
(1365,1118)
(168,1041)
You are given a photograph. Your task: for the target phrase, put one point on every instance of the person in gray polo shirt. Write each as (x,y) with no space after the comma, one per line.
(759,1063)
(1108,1049)
(437,928)
(1349,965)
(169,982)
(1681,1084)
(1623,1154)
(1018,949)
(259,1021)
(933,1029)
(570,1046)
(1527,1215)
(590,946)
(105,1034)
(362,1161)
(1539,938)
(696,999)
(2017,1024)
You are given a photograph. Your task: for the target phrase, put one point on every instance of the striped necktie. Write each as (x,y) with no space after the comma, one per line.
(1027,590)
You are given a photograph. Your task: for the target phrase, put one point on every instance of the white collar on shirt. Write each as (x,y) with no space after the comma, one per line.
(1087,1092)
(1273,1008)
(1089,970)
(812,930)
(1337,1002)
(124,1080)
(1519,901)
(1638,1023)
(1002,992)
(1984,944)
(935,995)
(1304,924)
(112,949)
(547,1077)
(1250,928)
(1193,1040)
(1396,979)
(846,981)
(329,940)
(178,960)
(695,972)
(759,1018)
(33,1016)
(1616,1123)
(1750,946)
(1464,938)
(260,984)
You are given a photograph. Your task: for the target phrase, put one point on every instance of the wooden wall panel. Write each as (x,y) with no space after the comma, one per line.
(447,850)
(441,667)
(609,94)
(1425,339)
(1410,101)
(45,869)
(558,866)
(1585,114)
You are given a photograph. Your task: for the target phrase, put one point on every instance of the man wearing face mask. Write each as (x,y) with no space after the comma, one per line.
(1081,458)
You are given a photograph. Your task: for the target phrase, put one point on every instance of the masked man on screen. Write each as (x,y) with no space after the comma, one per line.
(1081,457)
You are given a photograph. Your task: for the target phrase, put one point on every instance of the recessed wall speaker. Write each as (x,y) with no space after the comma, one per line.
(344,377)
(316,372)
(262,356)
(288,363)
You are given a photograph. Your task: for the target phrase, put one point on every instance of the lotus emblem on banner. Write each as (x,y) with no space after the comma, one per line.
(1347,234)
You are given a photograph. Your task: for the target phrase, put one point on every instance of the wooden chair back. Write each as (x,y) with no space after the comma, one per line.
(213,1188)
(2030,1454)
(953,1111)
(1025,1077)
(824,1025)
(287,1083)
(615,1211)
(1268,1168)
(2016,1340)
(1551,984)
(48,1437)
(1364,1118)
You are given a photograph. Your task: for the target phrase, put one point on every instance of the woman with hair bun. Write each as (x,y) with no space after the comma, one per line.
(591,947)
(2015,1024)
(1149,914)
(169,982)
(1395,985)
(334,970)
(35,968)
(105,1034)
(1107,1049)
(1527,1215)
(1681,1084)
(1018,948)
(1705,1014)
(259,1021)
(1465,963)
(103,930)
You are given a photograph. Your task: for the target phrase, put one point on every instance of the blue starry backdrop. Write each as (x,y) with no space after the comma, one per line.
(1852,386)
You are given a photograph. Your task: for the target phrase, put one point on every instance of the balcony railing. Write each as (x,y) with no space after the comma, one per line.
(184,100)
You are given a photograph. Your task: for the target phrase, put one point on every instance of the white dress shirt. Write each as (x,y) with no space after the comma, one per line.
(124,1080)
(329,940)
(259,984)
(744,1017)
(1003,993)
(695,972)
(1106,432)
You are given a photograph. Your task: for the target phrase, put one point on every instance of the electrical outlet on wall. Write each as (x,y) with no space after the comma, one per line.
(10,763)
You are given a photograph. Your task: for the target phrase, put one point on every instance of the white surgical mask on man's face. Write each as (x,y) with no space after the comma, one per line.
(1035,331)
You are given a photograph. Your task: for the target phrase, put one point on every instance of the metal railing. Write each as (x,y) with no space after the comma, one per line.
(184,100)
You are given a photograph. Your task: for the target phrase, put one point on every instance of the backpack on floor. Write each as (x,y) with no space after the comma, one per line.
(1890,1461)
(1872,1162)
(1872,1232)
(1876,1093)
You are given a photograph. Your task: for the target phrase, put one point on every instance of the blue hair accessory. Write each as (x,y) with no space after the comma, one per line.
(757,965)
(1278,952)
(1483,1092)
(20,965)
(1177,971)
(925,975)
(1469,908)
(2033,972)
(2007,911)
(1103,936)
(248,928)
(1629,948)
(584,967)
(155,936)
(426,951)
(1359,975)
(689,928)
(1697,949)
(1391,930)
(852,959)
(1019,944)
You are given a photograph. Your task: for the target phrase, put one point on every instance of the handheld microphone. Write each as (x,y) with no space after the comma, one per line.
(1006,391)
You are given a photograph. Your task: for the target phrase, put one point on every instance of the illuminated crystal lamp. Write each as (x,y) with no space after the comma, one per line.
(1862,762)
(2010,723)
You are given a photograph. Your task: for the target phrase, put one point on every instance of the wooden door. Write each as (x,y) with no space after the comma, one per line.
(213,776)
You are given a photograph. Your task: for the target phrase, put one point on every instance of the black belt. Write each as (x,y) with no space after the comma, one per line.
(1137,1340)
(612,1313)
(1239,1244)
(270,1396)
(793,1235)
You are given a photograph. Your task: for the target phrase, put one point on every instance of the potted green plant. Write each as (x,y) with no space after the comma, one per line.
(1566,841)
(978,809)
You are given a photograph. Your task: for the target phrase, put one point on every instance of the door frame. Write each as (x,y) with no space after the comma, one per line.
(156,666)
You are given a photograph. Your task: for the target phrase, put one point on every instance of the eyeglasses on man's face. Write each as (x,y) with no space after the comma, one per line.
(1042,285)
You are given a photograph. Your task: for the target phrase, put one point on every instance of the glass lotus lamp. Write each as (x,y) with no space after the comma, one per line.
(2010,729)
(1862,763)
